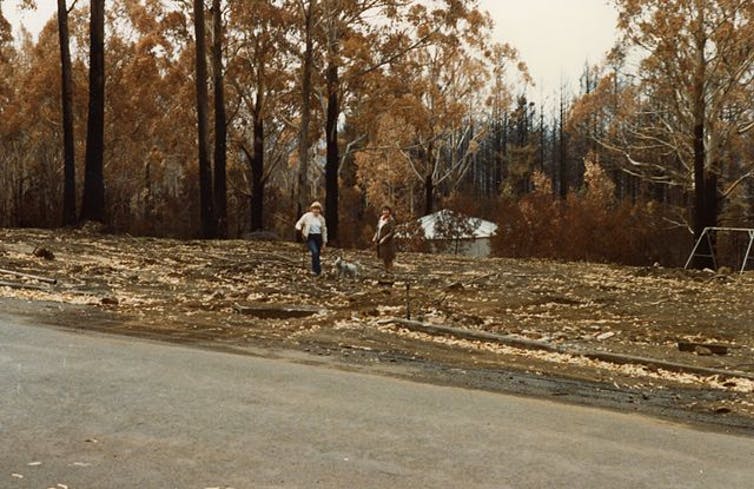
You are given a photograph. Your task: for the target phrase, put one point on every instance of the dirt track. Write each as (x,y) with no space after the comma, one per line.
(186,291)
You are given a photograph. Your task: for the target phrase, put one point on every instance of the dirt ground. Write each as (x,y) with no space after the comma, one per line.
(192,291)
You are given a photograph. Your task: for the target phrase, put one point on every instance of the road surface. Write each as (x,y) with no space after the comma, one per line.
(90,411)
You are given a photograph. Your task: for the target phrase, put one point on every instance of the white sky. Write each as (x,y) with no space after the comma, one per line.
(33,21)
(554,37)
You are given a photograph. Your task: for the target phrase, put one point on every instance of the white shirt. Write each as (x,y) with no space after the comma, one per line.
(311,223)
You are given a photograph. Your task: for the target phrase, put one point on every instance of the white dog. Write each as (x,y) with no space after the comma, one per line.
(346,269)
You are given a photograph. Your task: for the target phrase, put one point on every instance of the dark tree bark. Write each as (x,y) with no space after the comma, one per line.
(220,187)
(306,107)
(429,195)
(69,150)
(542,140)
(563,151)
(332,164)
(208,224)
(705,184)
(258,180)
(503,176)
(93,203)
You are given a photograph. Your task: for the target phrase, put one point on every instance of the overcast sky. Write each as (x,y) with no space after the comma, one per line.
(554,37)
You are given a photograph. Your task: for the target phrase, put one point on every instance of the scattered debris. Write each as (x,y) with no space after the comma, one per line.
(232,291)
(703,348)
(261,236)
(29,276)
(109,301)
(44,253)
(21,285)
(276,311)
(702,351)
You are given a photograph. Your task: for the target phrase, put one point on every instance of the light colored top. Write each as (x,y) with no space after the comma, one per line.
(381,223)
(378,236)
(310,223)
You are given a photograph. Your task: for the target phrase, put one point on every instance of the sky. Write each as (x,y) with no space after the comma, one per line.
(554,37)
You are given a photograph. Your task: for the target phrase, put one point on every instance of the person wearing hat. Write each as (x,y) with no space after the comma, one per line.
(313,228)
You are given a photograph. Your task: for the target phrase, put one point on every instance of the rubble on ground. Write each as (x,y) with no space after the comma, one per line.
(245,291)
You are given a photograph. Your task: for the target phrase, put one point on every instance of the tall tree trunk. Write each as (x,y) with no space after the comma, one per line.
(429,195)
(69,149)
(93,203)
(563,151)
(332,164)
(504,173)
(306,108)
(701,192)
(220,187)
(257,176)
(205,171)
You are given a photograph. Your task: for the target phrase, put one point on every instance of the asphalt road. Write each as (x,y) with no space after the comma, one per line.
(81,410)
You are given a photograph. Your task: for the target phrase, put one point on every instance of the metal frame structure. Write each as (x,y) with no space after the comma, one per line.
(706,234)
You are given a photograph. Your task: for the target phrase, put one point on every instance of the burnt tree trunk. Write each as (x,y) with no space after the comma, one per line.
(69,149)
(93,202)
(332,164)
(257,177)
(563,152)
(429,195)
(220,183)
(705,185)
(205,171)
(306,108)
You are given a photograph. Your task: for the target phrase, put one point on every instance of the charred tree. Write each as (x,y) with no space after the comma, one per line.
(307,69)
(332,164)
(208,224)
(220,181)
(93,203)
(69,149)
(258,180)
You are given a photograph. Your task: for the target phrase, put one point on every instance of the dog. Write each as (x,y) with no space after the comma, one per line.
(344,268)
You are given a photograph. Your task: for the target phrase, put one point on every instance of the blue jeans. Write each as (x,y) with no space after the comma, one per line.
(314,243)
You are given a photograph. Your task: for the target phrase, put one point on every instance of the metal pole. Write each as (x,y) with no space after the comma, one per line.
(748,251)
(693,252)
(712,251)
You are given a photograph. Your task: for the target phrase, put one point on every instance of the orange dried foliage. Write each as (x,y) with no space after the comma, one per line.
(590,226)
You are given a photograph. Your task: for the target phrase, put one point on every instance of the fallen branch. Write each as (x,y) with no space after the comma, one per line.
(18,285)
(473,335)
(459,283)
(516,342)
(52,281)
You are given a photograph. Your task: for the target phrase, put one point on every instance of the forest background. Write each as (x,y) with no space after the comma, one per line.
(215,119)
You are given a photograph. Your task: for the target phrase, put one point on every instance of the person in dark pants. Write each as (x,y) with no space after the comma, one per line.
(313,228)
